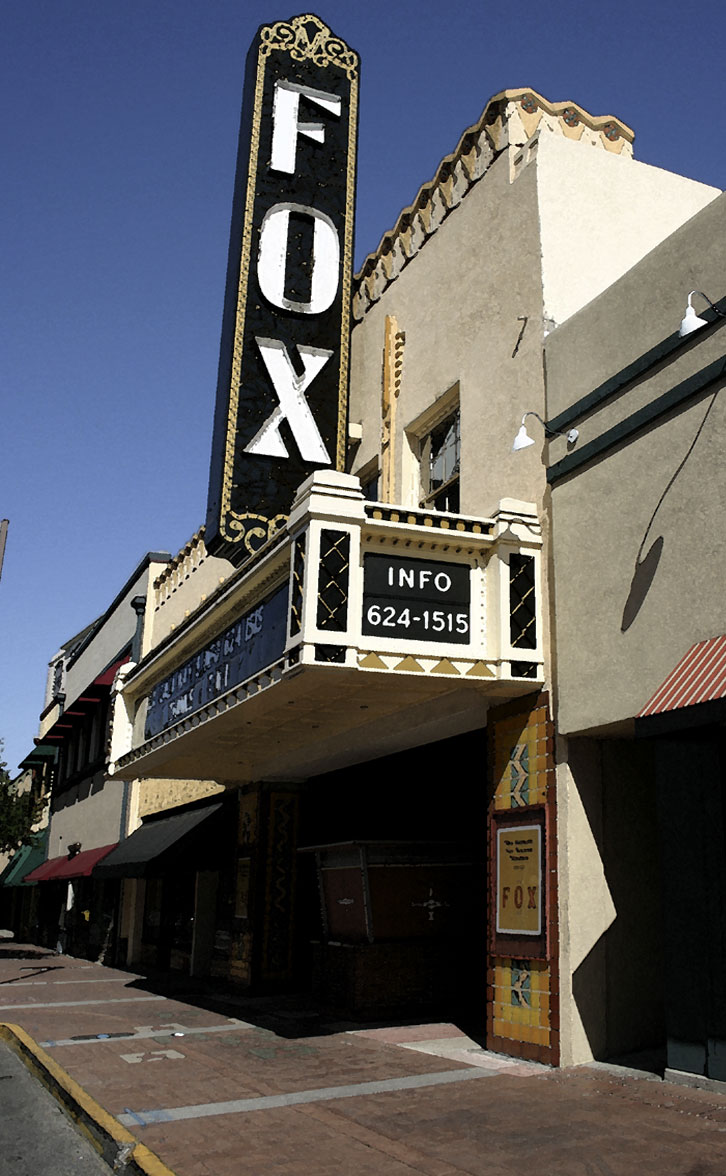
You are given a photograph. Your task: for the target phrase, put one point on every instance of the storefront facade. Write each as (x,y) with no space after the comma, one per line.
(639,562)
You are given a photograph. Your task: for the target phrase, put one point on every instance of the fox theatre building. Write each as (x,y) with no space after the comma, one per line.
(364,677)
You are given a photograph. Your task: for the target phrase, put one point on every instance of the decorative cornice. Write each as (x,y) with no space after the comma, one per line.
(191,555)
(509,119)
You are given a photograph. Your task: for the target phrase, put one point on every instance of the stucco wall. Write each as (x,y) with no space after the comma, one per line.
(93,813)
(654,504)
(600,214)
(191,577)
(458,302)
(609,886)
(156,795)
(116,632)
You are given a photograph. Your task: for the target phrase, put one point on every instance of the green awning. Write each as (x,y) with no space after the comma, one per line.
(43,753)
(24,860)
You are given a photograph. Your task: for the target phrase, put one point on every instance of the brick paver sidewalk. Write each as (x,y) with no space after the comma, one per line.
(273,1090)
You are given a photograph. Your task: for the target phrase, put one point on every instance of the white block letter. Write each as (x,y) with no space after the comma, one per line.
(293,406)
(271,263)
(286,125)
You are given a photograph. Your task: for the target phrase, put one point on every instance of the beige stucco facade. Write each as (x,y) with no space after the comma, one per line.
(92,813)
(87,808)
(609,513)
(599,214)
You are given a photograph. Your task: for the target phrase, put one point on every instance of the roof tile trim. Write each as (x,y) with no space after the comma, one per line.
(509,119)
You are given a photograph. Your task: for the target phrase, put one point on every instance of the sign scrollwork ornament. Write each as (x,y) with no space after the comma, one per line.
(307,37)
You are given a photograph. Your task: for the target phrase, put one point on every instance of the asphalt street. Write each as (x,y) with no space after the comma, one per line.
(36,1137)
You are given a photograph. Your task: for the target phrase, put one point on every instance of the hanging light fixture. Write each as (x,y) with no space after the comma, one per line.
(691,321)
(523,439)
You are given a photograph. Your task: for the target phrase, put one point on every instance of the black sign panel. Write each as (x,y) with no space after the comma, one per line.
(283,373)
(249,645)
(419,599)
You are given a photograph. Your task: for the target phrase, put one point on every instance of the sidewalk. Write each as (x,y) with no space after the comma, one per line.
(265,1086)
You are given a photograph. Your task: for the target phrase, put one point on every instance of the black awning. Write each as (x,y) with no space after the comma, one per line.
(149,849)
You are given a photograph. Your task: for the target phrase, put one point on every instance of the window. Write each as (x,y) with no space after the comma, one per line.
(440,454)
(370,488)
(370,478)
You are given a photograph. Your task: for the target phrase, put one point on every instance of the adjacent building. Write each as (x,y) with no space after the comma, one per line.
(637,592)
(89,812)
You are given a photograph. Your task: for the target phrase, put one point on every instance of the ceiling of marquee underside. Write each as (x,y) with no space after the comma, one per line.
(320,719)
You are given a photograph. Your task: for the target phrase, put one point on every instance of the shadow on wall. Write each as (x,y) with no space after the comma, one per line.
(647,566)
(618,986)
(643,576)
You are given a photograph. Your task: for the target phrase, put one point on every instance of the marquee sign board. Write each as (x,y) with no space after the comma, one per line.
(253,642)
(282,389)
(417,599)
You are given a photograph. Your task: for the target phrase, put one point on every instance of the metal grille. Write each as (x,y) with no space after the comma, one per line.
(333,576)
(298,577)
(522,610)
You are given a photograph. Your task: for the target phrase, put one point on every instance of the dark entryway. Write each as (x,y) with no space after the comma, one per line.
(418,819)
(692,819)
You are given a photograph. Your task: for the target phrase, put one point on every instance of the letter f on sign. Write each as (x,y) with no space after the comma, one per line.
(292,407)
(286,124)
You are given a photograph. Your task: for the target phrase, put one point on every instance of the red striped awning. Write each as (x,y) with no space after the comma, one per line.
(62,868)
(700,676)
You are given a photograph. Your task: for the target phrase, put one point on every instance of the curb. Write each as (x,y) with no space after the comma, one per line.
(121,1150)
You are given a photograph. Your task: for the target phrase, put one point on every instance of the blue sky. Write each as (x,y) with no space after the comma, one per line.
(118,136)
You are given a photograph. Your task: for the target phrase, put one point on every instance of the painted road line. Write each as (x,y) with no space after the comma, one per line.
(145,1034)
(57,983)
(67,1004)
(325,1094)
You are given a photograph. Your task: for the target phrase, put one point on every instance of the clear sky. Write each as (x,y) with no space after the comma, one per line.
(119,133)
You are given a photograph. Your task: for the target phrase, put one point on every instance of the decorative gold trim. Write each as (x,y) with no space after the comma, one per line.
(302,41)
(233,521)
(392,371)
(410,665)
(444,667)
(479,670)
(372,661)
(225,510)
(347,291)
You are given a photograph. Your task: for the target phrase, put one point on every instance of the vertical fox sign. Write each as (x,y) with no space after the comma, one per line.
(282,389)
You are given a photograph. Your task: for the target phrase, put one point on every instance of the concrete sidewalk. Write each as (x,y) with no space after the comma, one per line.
(229,1086)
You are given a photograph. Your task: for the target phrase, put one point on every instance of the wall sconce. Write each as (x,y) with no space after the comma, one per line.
(691,321)
(523,439)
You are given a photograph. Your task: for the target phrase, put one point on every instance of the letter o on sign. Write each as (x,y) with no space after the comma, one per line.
(273,254)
